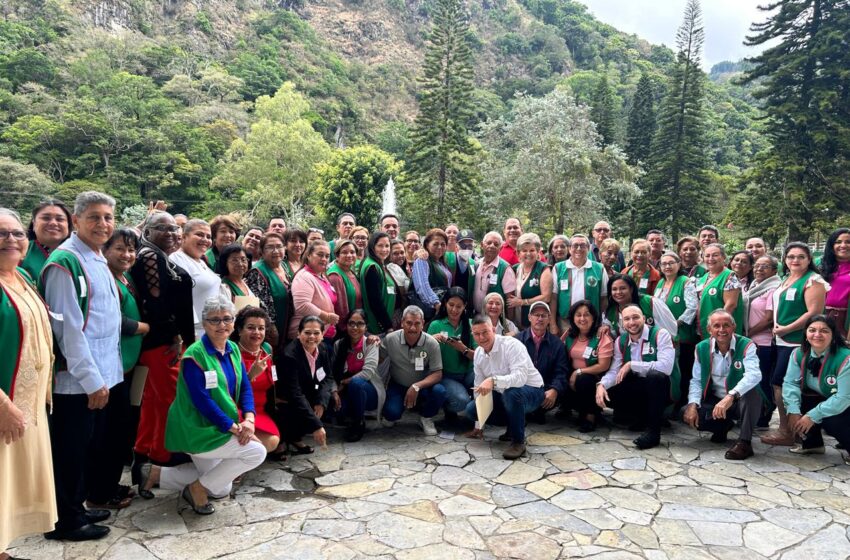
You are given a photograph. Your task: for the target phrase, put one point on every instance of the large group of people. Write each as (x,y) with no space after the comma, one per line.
(194,350)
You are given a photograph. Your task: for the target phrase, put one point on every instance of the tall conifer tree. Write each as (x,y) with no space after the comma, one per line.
(641,127)
(443,156)
(603,112)
(676,190)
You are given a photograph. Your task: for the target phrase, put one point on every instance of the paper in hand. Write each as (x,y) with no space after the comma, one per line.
(484,407)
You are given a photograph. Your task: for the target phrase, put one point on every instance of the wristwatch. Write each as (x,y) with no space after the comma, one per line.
(415,387)
(735,394)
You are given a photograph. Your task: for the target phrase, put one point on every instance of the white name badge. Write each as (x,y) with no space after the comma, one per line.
(210,379)
(588,352)
(445,333)
(790,294)
(320,374)
(494,279)
(419,364)
(644,283)
(84,290)
(274,373)
(565,285)
(391,290)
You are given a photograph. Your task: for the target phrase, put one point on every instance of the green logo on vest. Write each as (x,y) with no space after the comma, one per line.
(677,299)
(831,380)
(738,364)
(712,291)
(592,281)
(650,321)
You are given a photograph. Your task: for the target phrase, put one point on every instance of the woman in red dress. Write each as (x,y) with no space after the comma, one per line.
(252,323)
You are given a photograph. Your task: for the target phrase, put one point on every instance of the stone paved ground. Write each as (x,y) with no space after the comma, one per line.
(400,495)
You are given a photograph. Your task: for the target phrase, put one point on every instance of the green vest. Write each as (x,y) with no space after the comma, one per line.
(592,286)
(279,293)
(389,295)
(187,430)
(593,343)
(830,368)
(501,266)
(212,258)
(234,289)
(528,290)
(788,311)
(436,278)
(613,313)
(650,354)
(68,262)
(131,345)
(736,368)
(711,298)
(350,292)
(451,263)
(676,303)
(11,341)
(34,260)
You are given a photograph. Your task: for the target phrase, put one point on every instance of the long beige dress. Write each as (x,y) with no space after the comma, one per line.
(27,496)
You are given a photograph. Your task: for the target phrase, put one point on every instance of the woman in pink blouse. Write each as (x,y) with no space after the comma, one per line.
(760,327)
(312,292)
(835,269)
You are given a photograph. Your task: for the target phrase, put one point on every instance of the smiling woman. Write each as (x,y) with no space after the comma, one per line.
(197,238)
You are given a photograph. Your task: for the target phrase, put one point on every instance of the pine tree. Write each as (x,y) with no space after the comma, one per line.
(442,158)
(805,91)
(677,195)
(641,127)
(604,112)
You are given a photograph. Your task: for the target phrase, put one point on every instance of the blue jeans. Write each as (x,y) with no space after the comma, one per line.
(360,396)
(510,408)
(429,402)
(457,390)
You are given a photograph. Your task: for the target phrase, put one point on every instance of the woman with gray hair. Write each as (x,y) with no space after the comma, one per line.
(211,418)
(533,279)
(197,239)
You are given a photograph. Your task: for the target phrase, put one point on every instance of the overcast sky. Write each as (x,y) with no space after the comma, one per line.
(726,23)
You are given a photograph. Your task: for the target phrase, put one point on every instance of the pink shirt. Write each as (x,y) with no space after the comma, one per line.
(840,292)
(605,348)
(482,282)
(759,308)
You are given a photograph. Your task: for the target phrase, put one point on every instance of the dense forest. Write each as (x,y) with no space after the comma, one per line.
(242,105)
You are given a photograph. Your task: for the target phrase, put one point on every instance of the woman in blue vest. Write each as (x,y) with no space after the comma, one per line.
(816,389)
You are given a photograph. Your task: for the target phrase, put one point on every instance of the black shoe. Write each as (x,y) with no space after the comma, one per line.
(505,437)
(84,533)
(354,431)
(719,437)
(302,449)
(648,439)
(144,476)
(205,509)
(586,426)
(97,515)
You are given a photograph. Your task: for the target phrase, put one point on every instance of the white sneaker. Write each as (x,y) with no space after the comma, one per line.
(427,426)
(384,423)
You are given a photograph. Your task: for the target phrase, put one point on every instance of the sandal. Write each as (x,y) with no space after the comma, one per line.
(302,449)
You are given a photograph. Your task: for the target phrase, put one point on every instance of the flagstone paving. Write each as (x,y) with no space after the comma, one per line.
(400,495)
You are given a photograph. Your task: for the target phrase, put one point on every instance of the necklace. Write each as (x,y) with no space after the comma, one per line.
(253,353)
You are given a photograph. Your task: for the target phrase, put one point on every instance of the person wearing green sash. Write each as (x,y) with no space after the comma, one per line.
(641,271)
(725,386)
(534,280)
(120,252)
(378,288)
(575,279)
(816,389)
(718,289)
(211,418)
(296,243)
(49,227)
(269,282)
(462,265)
(642,378)
(624,292)
(225,231)
(800,296)
(233,264)
(343,278)
(493,274)
(688,250)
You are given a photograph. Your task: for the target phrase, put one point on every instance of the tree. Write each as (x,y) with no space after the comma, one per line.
(273,168)
(641,127)
(442,157)
(604,112)
(353,180)
(547,151)
(676,189)
(803,84)
(22,186)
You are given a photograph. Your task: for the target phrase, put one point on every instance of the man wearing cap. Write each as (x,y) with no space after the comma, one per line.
(494,274)
(548,355)
(638,383)
(504,368)
(725,385)
(461,263)
(575,279)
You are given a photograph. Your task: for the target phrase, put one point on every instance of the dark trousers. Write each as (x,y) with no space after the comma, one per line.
(583,398)
(109,448)
(746,410)
(686,368)
(767,363)
(837,426)
(783,355)
(642,398)
(359,396)
(429,402)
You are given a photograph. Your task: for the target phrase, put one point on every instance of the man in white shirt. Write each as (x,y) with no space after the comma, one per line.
(724,385)
(638,382)
(504,368)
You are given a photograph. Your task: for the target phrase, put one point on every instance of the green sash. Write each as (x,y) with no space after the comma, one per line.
(676,303)
(830,368)
(736,368)
(528,290)
(187,430)
(650,354)
(389,295)
(613,313)
(234,289)
(788,311)
(34,260)
(131,345)
(593,343)
(452,264)
(350,292)
(592,286)
(279,294)
(212,258)
(711,298)
(11,341)
(501,266)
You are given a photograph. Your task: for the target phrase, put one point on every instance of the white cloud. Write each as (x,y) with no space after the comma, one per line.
(726,23)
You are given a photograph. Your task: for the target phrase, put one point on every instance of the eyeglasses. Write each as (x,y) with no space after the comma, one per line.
(795,257)
(602,230)
(580,246)
(216,321)
(17,235)
(169,229)
(356,324)
(668,264)
(274,248)
(238,260)
(360,238)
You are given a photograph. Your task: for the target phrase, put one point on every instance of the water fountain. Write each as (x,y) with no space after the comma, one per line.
(388,203)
